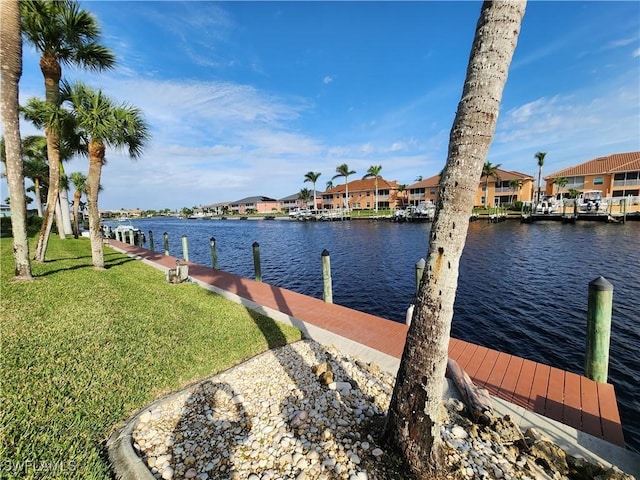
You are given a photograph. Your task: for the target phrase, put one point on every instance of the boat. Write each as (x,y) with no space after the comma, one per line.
(591,201)
(548,205)
(124,231)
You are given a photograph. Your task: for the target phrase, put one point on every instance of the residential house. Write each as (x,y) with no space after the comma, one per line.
(501,190)
(362,195)
(293,201)
(256,204)
(616,175)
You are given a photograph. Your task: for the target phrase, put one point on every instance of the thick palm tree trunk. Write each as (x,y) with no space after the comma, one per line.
(76,208)
(11,68)
(59,220)
(413,418)
(96,155)
(65,211)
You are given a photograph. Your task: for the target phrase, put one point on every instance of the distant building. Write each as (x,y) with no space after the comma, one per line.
(509,187)
(5,211)
(616,175)
(293,201)
(362,194)
(256,204)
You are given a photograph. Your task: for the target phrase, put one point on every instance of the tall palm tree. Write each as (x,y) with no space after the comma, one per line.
(418,178)
(540,157)
(329,185)
(11,68)
(515,185)
(374,171)
(413,419)
(102,123)
(36,168)
(489,170)
(79,181)
(560,183)
(313,178)
(63,33)
(343,171)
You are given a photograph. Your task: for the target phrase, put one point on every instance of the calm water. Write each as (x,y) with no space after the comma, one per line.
(522,288)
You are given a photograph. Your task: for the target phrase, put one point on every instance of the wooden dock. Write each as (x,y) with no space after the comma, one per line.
(563,396)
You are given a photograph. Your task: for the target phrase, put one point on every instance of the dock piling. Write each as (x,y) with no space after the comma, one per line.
(185,248)
(214,253)
(327,289)
(256,261)
(600,304)
(151,245)
(420,264)
(166,243)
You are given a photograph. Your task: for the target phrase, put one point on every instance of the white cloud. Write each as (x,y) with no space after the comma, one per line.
(328,79)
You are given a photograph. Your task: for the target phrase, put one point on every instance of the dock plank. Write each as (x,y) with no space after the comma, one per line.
(572,408)
(591,423)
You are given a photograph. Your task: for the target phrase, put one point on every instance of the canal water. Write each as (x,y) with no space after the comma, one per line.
(522,287)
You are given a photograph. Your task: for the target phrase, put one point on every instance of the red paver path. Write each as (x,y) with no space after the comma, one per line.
(563,396)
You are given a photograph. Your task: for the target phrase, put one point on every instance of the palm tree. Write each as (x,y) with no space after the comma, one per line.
(489,170)
(515,185)
(79,181)
(374,171)
(413,419)
(63,34)
(418,178)
(401,189)
(11,67)
(560,183)
(313,178)
(305,196)
(101,123)
(36,168)
(329,185)
(540,157)
(343,171)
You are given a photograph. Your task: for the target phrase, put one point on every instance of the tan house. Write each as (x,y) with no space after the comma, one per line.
(616,175)
(509,187)
(362,195)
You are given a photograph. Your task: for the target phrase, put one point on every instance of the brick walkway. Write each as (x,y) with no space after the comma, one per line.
(563,396)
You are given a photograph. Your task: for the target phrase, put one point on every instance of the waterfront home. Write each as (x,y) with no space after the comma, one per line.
(255,204)
(293,202)
(509,187)
(362,195)
(616,175)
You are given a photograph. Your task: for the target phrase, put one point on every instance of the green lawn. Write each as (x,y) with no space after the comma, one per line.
(83,349)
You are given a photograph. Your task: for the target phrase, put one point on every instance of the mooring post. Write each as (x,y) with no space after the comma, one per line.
(130,238)
(185,248)
(166,243)
(600,304)
(151,246)
(256,261)
(327,289)
(214,254)
(419,272)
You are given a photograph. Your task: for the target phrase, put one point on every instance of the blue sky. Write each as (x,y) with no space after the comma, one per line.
(244,98)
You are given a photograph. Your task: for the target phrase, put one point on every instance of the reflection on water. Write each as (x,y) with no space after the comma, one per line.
(522,288)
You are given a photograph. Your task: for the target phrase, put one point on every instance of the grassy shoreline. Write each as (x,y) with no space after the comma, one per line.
(83,349)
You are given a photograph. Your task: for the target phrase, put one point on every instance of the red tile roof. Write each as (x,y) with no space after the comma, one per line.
(503,174)
(363,185)
(618,162)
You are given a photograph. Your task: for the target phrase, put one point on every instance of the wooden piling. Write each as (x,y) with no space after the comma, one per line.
(420,264)
(185,248)
(256,261)
(166,243)
(327,289)
(600,304)
(151,245)
(214,253)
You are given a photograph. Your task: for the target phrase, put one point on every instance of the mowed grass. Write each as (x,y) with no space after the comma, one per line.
(83,349)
